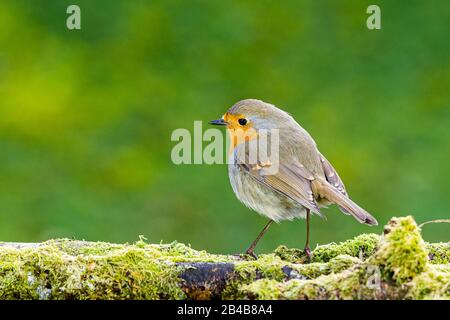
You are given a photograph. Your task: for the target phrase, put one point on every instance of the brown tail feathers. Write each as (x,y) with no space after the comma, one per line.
(326,190)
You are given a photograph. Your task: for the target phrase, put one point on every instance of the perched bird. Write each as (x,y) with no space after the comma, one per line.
(304,180)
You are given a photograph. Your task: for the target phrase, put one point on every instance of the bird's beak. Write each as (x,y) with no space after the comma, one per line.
(218,122)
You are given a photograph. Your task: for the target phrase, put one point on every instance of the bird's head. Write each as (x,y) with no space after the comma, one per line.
(245,118)
(253,114)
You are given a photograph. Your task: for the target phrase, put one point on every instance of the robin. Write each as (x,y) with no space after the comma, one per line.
(304,180)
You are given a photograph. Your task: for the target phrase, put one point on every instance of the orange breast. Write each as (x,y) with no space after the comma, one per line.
(238,133)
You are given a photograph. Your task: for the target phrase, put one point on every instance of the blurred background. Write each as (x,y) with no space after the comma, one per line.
(86,116)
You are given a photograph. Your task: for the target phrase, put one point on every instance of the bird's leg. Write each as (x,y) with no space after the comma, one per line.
(306,250)
(254,243)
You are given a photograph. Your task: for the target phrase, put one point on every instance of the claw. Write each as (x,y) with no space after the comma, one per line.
(308,253)
(251,254)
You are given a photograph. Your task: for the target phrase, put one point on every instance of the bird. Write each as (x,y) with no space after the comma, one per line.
(296,183)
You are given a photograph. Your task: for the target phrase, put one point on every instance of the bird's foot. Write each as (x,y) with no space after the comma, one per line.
(308,254)
(251,254)
(248,255)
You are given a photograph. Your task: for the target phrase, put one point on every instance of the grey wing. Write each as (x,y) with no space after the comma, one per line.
(293,181)
(333,178)
(331,175)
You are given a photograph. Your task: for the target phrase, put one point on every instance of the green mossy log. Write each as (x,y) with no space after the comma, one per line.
(395,265)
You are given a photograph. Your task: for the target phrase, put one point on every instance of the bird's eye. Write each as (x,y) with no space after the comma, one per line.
(242,121)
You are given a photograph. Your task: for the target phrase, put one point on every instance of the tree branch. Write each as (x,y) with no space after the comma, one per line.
(396,265)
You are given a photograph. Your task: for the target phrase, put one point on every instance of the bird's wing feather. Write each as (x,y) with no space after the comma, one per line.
(331,175)
(292,180)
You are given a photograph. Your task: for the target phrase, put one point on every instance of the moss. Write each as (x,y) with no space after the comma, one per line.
(304,284)
(293,255)
(439,253)
(397,265)
(68,269)
(361,246)
(392,267)
(263,289)
(434,283)
(349,284)
(268,266)
(108,272)
(272,267)
(317,289)
(323,287)
(402,253)
(342,262)
(316,269)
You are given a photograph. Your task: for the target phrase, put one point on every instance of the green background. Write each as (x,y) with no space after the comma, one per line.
(86,116)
